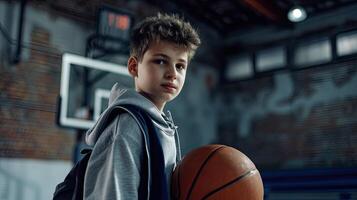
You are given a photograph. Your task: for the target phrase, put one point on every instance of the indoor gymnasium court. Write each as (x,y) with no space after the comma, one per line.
(268,108)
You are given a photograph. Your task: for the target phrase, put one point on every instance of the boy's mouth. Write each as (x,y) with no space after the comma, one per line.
(169,86)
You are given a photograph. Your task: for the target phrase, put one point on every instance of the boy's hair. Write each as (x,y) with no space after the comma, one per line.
(163,27)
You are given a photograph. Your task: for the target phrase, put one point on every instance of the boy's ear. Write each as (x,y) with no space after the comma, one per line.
(133,66)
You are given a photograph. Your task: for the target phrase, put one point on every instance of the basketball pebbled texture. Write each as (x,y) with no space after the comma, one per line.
(216,172)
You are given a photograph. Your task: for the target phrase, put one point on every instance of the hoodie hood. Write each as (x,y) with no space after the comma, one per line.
(120,96)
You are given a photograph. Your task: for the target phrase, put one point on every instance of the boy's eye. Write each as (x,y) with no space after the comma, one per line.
(160,61)
(180,66)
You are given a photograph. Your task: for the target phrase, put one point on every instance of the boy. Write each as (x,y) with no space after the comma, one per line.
(161,48)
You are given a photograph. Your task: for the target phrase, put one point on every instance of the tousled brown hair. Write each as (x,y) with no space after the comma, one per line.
(163,27)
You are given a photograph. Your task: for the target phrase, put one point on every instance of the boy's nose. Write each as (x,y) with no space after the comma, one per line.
(171,72)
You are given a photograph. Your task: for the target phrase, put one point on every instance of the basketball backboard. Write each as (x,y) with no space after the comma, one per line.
(85,89)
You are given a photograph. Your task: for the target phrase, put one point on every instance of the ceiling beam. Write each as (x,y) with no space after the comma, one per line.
(267,9)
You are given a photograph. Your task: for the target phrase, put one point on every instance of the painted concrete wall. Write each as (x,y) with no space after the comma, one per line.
(30,179)
(294,120)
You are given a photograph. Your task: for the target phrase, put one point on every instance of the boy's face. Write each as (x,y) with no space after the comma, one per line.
(161,73)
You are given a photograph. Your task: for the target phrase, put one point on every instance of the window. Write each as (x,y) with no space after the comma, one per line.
(313,53)
(269,59)
(346,43)
(239,68)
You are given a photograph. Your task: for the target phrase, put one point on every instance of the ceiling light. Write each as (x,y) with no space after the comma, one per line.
(297,14)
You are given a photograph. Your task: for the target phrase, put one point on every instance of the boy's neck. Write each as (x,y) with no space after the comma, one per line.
(159,107)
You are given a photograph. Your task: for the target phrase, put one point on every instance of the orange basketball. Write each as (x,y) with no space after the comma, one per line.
(216,172)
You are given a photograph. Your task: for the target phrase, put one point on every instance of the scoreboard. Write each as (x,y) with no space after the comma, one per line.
(114,23)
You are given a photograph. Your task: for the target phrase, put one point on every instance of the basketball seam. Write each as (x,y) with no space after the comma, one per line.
(200,170)
(229,183)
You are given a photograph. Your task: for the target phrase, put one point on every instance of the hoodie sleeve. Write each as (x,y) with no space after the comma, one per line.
(118,176)
(128,153)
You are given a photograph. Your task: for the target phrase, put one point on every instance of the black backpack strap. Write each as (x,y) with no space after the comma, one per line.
(158,186)
(72,186)
(82,171)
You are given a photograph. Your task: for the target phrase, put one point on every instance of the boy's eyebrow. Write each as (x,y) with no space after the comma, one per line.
(168,57)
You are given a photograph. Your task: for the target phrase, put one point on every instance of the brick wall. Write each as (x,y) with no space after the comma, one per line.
(28,104)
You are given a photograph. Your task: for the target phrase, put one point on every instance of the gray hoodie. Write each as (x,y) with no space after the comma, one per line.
(120,148)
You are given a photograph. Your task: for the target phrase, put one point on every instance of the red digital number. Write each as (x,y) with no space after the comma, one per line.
(122,22)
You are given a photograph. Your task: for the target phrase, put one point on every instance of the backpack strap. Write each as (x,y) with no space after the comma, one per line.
(72,186)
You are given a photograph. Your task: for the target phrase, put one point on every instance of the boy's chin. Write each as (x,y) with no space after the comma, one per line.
(171,97)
